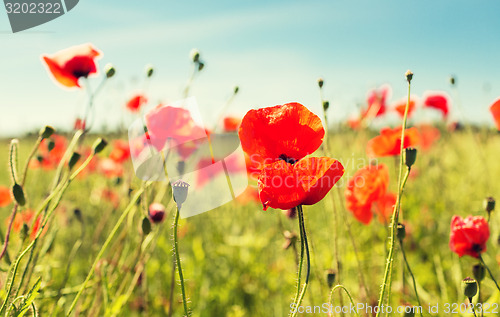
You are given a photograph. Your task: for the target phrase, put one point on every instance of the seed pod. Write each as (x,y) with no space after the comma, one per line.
(401,233)
(180,191)
(330,277)
(46,132)
(409,75)
(489,204)
(99,145)
(410,156)
(109,70)
(469,287)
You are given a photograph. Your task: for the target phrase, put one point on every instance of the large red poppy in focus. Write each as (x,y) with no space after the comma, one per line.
(69,65)
(276,140)
(388,143)
(368,186)
(469,236)
(439,102)
(495,111)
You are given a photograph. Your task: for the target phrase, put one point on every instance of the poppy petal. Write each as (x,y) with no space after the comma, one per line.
(495,111)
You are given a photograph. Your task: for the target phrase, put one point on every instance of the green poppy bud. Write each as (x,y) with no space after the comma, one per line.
(330,277)
(99,145)
(326,105)
(146,226)
(18,193)
(109,70)
(479,272)
(46,132)
(75,157)
(401,232)
(410,156)
(489,204)
(149,70)
(409,75)
(320,82)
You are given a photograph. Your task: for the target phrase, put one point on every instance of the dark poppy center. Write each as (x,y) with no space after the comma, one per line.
(477,248)
(287,159)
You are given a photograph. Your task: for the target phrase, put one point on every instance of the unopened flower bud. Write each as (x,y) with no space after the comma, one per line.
(78,214)
(156,212)
(409,75)
(200,66)
(149,70)
(109,70)
(401,232)
(46,132)
(25,231)
(489,204)
(18,193)
(195,55)
(409,312)
(51,145)
(469,287)
(236,89)
(326,105)
(146,226)
(330,277)
(453,80)
(180,191)
(410,156)
(99,145)
(320,82)
(75,157)
(479,272)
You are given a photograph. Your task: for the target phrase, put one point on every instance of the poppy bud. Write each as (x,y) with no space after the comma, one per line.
(320,82)
(24,231)
(46,132)
(18,193)
(99,145)
(478,272)
(195,55)
(489,204)
(452,80)
(409,313)
(180,191)
(236,89)
(401,233)
(78,214)
(156,212)
(146,226)
(326,105)
(73,160)
(469,287)
(51,145)
(330,277)
(409,75)
(410,156)
(109,70)
(149,70)
(200,66)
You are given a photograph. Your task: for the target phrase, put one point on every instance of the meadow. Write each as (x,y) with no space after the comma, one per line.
(102,249)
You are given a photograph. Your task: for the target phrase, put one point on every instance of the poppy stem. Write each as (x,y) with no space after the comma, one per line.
(303,236)
(488,269)
(395,215)
(178,262)
(348,295)
(412,276)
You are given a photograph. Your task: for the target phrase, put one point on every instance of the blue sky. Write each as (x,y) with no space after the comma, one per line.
(274,50)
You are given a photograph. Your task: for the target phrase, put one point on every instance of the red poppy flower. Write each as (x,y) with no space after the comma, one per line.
(110,168)
(25,218)
(51,151)
(469,236)
(377,102)
(231,124)
(388,143)
(135,103)
(384,207)
(401,106)
(367,186)
(287,132)
(250,194)
(110,196)
(495,111)
(428,136)
(204,174)
(438,101)
(283,185)
(79,124)
(5,197)
(120,152)
(68,65)
(354,123)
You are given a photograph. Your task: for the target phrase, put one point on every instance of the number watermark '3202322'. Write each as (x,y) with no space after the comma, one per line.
(25,14)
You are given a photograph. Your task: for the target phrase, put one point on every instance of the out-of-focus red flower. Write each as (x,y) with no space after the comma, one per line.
(384,207)
(495,111)
(428,136)
(5,197)
(367,186)
(277,139)
(438,101)
(388,143)
(288,132)
(174,127)
(231,124)
(120,152)
(377,102)
(50,151)
(204,175)
(110,196)
(250,194)
(156,213)
(69,65)
(469,236)
(283,185)
(354,123)
(110,168)
(136,102)
(26,217)
(79,124)
(401,106)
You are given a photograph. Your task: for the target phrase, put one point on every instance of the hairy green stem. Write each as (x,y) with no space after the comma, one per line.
(303,236)
(348,295)
(488,269)
(178,262)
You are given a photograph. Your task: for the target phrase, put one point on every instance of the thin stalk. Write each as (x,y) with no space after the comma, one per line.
(412,276)
(488,269)
(348,295)
(178,262)
(397,206)
(303,236)
(301,260)
(106,244)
